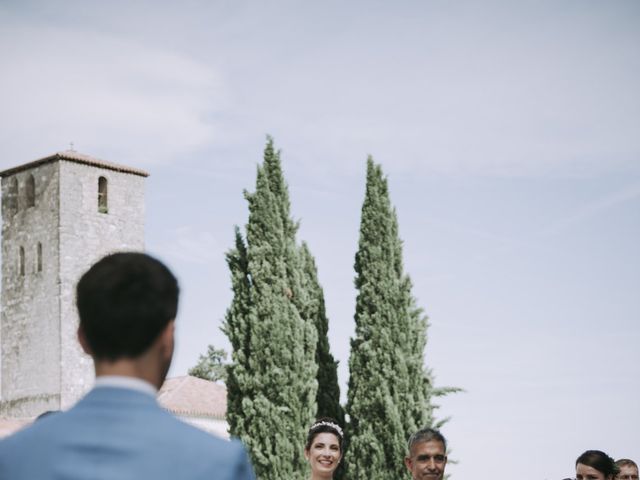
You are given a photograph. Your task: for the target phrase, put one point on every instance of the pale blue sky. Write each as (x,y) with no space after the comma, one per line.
(510,132)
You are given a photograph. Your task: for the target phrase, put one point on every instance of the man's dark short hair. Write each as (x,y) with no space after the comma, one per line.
(124,301)
(426,434)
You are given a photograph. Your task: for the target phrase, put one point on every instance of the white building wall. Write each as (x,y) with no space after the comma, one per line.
(217,427)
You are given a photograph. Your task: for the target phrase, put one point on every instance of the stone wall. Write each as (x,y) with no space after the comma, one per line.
(85,236)
(30,320)
(43,367)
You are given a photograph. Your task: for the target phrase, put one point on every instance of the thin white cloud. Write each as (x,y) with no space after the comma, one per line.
(481,91)
(186,244)
(592,209)
(501,90)
(112,97)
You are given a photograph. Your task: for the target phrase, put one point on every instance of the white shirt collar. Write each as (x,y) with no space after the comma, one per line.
(131,383)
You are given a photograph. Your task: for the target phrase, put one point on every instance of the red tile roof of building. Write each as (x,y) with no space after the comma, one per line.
(193,396)
(73,156)
(12,425)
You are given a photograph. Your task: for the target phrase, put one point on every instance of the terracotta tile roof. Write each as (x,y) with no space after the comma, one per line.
(73,156)
(189,395)
(11,425)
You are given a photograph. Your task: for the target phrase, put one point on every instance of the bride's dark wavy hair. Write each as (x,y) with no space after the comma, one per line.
(600,461)
(324,425)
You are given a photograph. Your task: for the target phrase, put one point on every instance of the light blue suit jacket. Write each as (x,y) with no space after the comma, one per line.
(119,434)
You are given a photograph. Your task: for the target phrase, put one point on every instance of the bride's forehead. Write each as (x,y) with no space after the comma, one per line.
(325,437)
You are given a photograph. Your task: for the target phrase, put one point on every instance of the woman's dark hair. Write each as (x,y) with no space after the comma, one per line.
(598,460)
(324,425)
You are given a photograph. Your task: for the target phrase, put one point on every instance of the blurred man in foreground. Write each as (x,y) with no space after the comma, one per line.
(127,304)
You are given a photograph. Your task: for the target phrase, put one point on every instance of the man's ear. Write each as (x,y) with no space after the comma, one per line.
(82,338)
(407,462)
(167,338)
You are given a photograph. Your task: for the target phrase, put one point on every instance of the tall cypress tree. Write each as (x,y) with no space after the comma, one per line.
(415,390)
(388,395)
(237,328)
(272,379)
(328,397)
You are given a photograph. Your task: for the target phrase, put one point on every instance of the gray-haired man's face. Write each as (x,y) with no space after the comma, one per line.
(627,472)
(427,460)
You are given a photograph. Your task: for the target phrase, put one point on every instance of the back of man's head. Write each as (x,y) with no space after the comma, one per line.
(125,301)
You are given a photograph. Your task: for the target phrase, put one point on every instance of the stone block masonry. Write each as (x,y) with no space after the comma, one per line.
(59,215)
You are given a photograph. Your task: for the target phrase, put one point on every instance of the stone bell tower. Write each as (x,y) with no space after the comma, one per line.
(59,215)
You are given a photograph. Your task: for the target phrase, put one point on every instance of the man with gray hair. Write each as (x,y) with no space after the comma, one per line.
(427,455)
(628,469)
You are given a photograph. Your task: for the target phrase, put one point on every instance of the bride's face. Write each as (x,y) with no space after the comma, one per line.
(584,472)
(324,454)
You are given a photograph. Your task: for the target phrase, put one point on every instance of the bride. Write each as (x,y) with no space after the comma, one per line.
(323,449)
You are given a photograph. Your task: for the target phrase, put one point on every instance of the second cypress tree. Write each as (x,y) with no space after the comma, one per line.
(328,398)
(388,395)
(272,379)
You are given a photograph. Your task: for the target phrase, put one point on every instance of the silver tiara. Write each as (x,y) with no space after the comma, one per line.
(327,424)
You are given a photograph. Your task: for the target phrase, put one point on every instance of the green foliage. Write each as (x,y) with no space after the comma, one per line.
(271,382)
(389,388)
(211,366)
(328,398)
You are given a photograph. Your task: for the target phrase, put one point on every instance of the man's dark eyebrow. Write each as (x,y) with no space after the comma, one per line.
(427,456)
